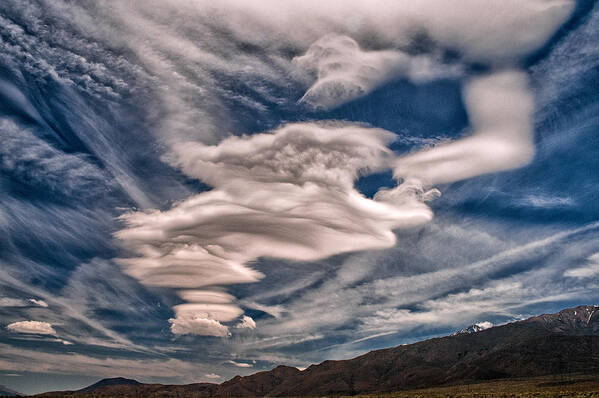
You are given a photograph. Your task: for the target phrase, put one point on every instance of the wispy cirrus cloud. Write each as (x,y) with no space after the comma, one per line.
(17,302)
(35,160)
(240,364)
(378,308)
(26,360)
(589,270)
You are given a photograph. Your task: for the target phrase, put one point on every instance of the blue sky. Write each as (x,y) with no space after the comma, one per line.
(191,191)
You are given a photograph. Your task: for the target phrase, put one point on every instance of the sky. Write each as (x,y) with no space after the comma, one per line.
(194,190)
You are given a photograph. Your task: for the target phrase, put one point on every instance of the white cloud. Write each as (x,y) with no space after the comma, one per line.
(494,30)
(246,323)
(31,327)
(39,302)
(272,310)
(206,296)
(212,376)
(197,325)
(64,342)
(288,194)
(240,364)
(484,325)
(500,108)
(546,202)
(345,72)
(591,269)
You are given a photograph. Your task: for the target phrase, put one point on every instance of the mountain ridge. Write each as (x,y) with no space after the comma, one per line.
(7,392)
(560,343)
(113,381)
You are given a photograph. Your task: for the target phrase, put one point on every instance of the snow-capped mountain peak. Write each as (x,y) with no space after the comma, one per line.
(477,327)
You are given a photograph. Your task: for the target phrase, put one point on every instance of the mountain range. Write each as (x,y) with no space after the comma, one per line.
(551,344)
(7,392)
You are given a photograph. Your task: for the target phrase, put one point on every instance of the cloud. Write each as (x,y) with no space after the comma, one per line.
(345,72)
(12,302)
(15,302)
(546,202)
(35,160)
(591,269)
(246,323)
(500,108)
(484,325)
(240,364)
(31,327)
(64,342)
(287,194)
(190,324)
(272,310)
(37,361)
(40,303)
(490,31)
(74,307)
(212,376)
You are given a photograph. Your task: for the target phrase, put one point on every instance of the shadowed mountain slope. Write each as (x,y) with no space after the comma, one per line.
(116,381)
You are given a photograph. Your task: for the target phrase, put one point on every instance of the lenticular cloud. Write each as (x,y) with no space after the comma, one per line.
(287,194)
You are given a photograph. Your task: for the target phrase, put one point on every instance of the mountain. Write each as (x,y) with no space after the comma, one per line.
(116,381)
(7,392)
(548,344)
(551,344)
(119,387)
